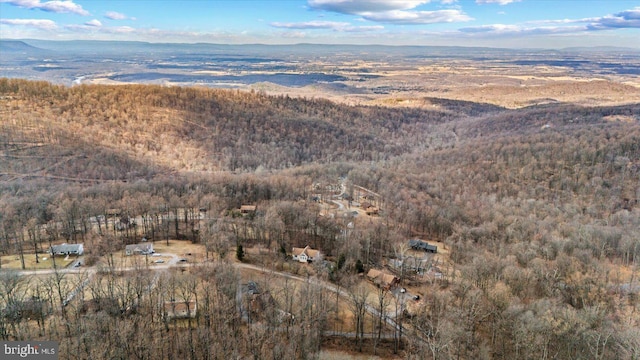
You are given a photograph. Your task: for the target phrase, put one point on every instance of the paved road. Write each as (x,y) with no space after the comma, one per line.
(388,317)
(173,263)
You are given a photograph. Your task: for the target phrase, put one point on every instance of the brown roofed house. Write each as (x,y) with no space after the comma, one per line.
(382,279)
(372,210)
(180,309)
(247,209)
(111,213)
(306,254)
(255,302)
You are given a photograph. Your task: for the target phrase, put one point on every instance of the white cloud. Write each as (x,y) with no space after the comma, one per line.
(80,28)
(316,24)
(113,15)
(495,30)
(124,30)
(55,6)
(391,11)
(94,22)
(356,7)
(417,17)
(41,24)
(93,29)
(625,19)
(499,2)
(331,25)
(355,29)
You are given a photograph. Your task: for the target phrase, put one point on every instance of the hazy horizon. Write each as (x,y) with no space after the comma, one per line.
(510,24)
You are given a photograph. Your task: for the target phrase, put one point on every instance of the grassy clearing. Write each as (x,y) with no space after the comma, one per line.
(181,248)
(194,253)
(44,262)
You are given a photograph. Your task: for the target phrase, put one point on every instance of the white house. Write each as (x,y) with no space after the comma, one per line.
(66,249)
(139,249)
(306,254)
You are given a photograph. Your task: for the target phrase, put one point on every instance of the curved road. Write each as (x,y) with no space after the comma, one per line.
(91,271)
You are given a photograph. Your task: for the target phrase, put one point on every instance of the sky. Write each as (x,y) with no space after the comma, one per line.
(494,23)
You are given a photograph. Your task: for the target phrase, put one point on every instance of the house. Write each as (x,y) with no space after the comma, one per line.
(382,279)
(372,210)
(66,249)
(139,249)
(247,209)
(346,197)
(417,244)
(412,264)
(30,309)
(306,254)
(113,213)
(256,304)
(107,305)
(125,223)
(180,309)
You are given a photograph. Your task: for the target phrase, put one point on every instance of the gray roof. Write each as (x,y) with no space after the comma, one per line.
(66,248)
(419,244)
(139,247)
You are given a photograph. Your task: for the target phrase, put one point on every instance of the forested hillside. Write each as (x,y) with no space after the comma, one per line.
(538,207)
(201,129)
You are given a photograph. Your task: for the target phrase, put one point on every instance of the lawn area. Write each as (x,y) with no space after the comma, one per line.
(181,248)
(44,262)
(194,253)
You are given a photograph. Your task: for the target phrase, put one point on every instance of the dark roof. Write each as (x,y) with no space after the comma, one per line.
(419,244)
(252,288)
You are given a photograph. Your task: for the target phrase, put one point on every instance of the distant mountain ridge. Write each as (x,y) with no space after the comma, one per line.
(301,48)
(600,49)
(107,44)
(14,46)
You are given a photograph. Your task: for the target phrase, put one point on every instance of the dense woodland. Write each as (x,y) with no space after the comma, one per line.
(538,208)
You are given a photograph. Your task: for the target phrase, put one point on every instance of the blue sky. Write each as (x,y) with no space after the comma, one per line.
(501,23)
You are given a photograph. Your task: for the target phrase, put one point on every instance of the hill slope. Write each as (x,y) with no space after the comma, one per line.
(537,207)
